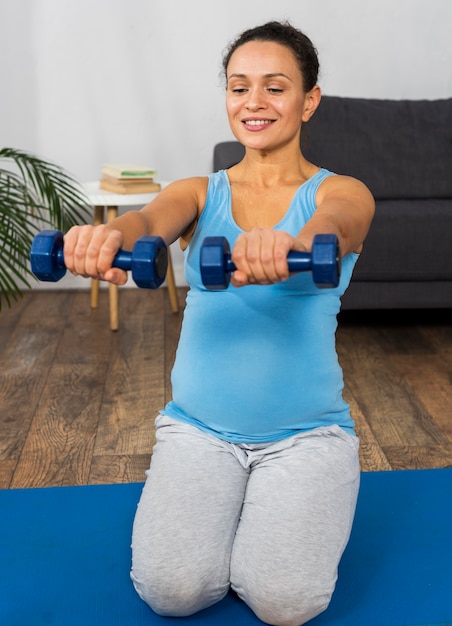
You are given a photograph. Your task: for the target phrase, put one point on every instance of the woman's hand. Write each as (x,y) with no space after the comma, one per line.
(260,256)
(89,252)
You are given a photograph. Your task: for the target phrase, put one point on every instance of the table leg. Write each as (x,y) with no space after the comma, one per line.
(113,298)
(171,283)
(98,219)
(112,212)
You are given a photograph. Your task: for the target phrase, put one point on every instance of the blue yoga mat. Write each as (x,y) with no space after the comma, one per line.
(65,558)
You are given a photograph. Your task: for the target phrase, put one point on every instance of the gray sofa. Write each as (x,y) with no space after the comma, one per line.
(402,150)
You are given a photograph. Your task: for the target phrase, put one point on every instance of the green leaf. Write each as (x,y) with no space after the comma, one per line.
(33,192)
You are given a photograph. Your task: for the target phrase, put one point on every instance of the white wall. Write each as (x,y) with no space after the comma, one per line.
(95,81)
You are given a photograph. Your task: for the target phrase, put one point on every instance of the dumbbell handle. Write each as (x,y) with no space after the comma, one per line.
(296,261)
(122,259)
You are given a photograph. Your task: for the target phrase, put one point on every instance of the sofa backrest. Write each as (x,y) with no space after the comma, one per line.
(398,148)
(226,154)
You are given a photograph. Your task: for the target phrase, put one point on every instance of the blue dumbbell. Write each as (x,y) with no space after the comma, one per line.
(148,261)
(324,262)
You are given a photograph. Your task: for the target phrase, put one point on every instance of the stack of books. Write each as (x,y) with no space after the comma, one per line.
(126,178)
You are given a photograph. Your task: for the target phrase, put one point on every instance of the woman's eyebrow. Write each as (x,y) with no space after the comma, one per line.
(269,75)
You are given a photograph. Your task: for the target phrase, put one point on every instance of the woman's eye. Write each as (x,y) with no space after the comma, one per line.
(275,90)
(238,90)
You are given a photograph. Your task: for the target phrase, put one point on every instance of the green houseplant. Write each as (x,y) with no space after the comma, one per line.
(34,194)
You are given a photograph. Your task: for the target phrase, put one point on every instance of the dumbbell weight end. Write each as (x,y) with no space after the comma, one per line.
(326,261)
(215,263)
(148,261)
(46,256)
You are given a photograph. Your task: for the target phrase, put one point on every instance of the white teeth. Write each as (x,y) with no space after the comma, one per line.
(257,122)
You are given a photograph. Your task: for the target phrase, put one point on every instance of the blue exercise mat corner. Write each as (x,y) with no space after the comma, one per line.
(65,558)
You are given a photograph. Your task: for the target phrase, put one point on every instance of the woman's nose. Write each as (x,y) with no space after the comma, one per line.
(255,100)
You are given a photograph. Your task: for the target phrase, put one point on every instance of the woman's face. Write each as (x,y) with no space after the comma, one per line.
(265,99)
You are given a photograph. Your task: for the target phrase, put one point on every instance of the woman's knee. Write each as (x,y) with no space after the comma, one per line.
(278,613)
(285,607)
(173,600)
(178,595)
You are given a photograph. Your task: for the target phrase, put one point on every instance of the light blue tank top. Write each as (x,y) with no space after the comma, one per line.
(258,363)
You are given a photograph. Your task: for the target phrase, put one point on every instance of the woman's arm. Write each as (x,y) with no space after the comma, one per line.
(89,250)
(345,207)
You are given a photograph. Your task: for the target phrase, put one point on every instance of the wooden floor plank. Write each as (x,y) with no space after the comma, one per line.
(172,332)
(419,457)
(393,413)
(7,467)
(439,332)
(134,388)
(372,457)
(60,442)
(25,362)
(402,339)
(430,380)
(87,336)
(10,317)
(117,468)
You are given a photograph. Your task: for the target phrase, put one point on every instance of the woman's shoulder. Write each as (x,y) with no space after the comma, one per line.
(191,183)
(196,190)
(340,183)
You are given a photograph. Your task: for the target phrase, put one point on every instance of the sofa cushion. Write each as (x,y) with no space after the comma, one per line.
(409,240)
(398,148)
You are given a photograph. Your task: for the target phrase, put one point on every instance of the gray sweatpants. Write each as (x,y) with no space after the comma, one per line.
(269,520)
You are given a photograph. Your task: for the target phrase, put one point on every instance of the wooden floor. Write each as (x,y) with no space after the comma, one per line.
(77,401)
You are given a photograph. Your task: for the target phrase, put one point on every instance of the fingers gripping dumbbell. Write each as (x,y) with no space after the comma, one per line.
(148,261)
(324,262)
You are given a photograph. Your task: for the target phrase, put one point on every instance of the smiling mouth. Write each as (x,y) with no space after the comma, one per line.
(257,124)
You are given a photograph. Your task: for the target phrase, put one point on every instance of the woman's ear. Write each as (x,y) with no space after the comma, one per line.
(312,101)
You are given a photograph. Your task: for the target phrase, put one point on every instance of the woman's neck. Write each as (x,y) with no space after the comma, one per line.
(266,170)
